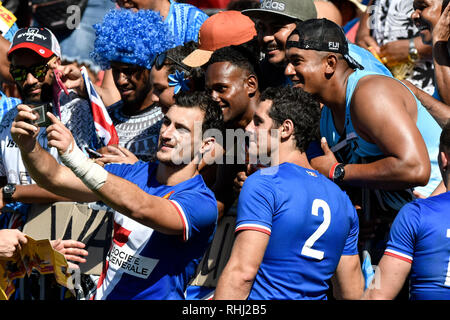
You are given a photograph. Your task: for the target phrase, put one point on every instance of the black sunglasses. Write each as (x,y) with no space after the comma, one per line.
(160,58)
(19,74)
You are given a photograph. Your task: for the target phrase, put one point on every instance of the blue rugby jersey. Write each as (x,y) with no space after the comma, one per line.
(420,235)
(145,264)
(311,223)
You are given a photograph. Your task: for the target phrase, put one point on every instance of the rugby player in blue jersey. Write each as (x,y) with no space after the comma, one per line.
(165,215)
(295,228)
(419,244)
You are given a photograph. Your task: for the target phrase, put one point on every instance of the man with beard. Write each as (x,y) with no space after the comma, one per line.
(294,227)
(35,63)
(35,68)
(388,30)
(128,42)
(183,20)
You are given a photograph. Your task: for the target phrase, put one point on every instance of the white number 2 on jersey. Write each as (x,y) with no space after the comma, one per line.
(307,248)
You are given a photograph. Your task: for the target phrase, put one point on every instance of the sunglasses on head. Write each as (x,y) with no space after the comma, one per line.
(19,74)
(161,58)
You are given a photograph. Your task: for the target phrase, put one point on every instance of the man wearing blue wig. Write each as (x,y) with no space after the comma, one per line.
(128,43)
(183,20)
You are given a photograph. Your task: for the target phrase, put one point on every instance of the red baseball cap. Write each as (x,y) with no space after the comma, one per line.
(40,40)
(222,29)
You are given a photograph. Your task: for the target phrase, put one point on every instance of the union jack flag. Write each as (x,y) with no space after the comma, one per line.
(103,124)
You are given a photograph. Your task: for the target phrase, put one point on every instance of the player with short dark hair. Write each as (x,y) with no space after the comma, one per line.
(294,227)
(288,108)
(160,230)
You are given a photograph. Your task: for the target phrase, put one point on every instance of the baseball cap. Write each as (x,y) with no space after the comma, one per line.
(295,9)
(40,40)
(222,29)
(322,35)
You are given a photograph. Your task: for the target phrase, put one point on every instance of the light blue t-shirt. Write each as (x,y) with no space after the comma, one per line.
(427,125)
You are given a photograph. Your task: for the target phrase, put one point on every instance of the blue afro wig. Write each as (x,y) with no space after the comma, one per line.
(131,37)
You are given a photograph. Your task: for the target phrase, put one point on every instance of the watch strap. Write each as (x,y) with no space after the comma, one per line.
(332,169)
(7,192)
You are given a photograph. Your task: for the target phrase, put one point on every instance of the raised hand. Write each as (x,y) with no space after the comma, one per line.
(441,31)
(72,79)
(58,135)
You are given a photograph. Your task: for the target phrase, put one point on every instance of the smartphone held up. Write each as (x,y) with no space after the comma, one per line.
(40,110)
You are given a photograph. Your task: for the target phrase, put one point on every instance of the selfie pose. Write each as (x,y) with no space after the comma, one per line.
(36,69)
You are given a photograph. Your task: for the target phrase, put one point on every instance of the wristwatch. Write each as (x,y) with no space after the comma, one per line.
(413,52)
(8,192)
(339,173)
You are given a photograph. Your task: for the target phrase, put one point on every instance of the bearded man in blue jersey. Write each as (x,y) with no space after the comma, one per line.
(295,228)
(419,244)
(160,230)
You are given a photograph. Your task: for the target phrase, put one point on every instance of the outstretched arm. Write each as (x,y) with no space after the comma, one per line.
(438,110)
(32,193)
(88,180)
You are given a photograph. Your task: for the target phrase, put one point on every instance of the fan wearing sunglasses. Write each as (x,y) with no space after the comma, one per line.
(35,66)
(32,76)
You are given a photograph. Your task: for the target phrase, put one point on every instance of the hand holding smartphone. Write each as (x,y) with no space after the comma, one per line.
(40,110)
